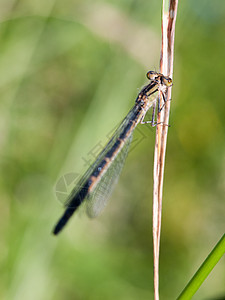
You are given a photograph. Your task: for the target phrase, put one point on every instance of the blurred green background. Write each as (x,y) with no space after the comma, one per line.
(69,72)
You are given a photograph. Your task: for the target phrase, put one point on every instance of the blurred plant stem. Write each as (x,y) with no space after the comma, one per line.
(204,270)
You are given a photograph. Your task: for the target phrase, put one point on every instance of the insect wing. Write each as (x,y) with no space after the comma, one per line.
(99,197)
(82,188)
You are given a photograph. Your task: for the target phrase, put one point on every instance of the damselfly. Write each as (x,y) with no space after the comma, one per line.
(96,185)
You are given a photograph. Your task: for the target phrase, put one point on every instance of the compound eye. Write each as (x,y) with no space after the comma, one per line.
(167,81)
(151,75)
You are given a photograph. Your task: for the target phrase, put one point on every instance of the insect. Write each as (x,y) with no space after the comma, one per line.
(97,183)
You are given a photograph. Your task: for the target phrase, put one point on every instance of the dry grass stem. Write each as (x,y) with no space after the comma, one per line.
(166,67)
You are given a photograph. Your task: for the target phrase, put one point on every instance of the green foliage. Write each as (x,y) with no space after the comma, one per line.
(64,85)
